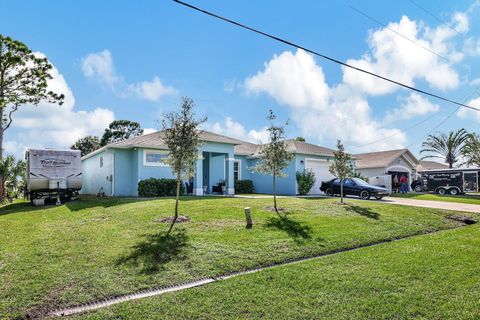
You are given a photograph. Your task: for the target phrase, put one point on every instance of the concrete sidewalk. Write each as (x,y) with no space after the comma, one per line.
(455,206)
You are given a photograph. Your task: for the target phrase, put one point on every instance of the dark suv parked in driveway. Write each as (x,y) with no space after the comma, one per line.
(355,187)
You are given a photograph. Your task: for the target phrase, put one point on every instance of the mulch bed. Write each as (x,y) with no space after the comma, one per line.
(180,219)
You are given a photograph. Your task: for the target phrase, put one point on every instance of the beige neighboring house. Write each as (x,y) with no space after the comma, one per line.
(431,165)
(374,165)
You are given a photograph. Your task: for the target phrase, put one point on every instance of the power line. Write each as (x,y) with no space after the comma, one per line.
(393,135)
(433,16)
(443,121)
(323,56)
(396,32)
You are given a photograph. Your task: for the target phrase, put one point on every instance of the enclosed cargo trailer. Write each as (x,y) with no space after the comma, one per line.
(53,173)
(451,181)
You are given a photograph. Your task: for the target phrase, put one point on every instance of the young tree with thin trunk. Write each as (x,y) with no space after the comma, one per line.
(181,136)
(24,79)
(447,147)
(274,156)
(341,166)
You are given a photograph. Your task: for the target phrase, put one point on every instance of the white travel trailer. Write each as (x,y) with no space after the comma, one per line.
(53,174)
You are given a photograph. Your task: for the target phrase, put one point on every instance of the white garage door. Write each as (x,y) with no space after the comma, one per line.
(320,169)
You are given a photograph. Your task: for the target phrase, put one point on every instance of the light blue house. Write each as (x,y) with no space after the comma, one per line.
(117,168)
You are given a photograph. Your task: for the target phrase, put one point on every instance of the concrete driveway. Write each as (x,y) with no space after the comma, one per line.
(465,207)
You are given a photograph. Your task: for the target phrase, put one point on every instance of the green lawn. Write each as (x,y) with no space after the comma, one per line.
(434,276)
(472,199)
(89,249)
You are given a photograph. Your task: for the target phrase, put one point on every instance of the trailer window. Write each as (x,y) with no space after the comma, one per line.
(101,162)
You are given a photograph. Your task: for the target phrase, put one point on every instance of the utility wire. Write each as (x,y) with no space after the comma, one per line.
(433,16)
(396,32)
(393,135)
(443,121)
(323,56)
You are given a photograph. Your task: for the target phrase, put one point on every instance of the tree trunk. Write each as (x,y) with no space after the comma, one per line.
(176,204)
(341,191)
(275,193)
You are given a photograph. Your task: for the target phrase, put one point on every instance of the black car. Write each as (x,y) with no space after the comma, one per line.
(355,187)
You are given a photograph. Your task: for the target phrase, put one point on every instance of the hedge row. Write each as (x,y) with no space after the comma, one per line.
(159,188)
(244,186)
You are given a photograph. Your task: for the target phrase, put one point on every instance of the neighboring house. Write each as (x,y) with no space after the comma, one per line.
(431,165)
(392,162)
(117,168)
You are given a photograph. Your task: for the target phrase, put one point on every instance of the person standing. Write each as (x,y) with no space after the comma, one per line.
(395,183)
(403,184)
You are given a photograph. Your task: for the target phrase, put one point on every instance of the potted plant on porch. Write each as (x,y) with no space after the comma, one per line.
(223,184)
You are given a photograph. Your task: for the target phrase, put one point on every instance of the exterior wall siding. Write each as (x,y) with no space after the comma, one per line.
(285,186)
(94,177)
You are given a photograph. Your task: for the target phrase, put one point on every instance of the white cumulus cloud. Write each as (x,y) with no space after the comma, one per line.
(411,106)
(395,57)
(467,113)
(51,125)
(236,130)
(151,90)
(99,66)
(320,112)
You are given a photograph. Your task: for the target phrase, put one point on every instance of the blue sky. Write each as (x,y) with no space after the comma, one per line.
(135,60)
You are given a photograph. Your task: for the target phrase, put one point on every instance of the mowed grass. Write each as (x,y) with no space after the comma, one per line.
(89,249)
(435,276)
(471,199)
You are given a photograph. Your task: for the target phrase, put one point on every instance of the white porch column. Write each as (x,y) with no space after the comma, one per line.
(230,179)
(198,180)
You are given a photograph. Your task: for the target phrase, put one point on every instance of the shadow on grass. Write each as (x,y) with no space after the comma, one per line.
(157,250)
(18,207)
(297,230)
(366,212)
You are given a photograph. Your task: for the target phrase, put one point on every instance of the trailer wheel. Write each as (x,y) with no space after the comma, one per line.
(441,191)
(454,191)
(418,188)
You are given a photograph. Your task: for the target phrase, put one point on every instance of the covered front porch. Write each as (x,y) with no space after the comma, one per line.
(214,173)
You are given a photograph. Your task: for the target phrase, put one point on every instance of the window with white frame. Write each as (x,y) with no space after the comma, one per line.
(154,158)
(237,174)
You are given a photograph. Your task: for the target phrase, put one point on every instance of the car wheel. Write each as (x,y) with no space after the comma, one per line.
(329,192)
(379,198)
(453,191)
(418,188)
(441,191)
(365,195)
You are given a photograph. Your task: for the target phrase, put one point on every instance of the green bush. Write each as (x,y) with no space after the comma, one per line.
(305,181)
(159,188)
(243,186)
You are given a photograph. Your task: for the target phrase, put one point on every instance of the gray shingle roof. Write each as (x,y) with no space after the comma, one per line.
(293,145)
(155,140)
(380,159)
(430,165)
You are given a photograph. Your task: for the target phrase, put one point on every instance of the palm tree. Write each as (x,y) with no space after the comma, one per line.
(10,172)
(471,150)
(447,147)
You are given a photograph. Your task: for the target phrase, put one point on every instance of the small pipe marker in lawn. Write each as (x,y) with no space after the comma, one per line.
(248,217)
